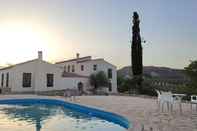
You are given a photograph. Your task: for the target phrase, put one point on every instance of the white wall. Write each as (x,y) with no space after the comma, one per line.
(88,69)
(10,71)
(39,70)
(17,76)
(72,83)
(43,68)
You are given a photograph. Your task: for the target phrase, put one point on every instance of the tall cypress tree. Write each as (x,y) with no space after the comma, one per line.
(137,66)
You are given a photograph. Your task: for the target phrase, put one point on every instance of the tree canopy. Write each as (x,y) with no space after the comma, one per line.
(191,71)
(98,80)
(136,46)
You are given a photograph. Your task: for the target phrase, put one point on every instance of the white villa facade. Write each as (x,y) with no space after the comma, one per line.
(38,75)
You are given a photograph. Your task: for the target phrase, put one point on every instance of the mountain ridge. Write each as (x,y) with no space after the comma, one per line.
(156,71)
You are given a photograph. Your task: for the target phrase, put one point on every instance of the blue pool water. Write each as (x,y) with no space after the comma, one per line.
(48,117)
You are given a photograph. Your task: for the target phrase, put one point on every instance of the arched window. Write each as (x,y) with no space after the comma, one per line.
(110,86)
(73,68)
(109,72)
(68,68)
(65,68)
(2,79)
(82,67)
(80,87)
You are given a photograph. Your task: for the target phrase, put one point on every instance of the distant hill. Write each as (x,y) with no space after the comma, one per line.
(157,72)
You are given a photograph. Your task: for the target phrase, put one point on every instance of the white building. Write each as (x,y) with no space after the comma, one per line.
(38,75)
(86,66)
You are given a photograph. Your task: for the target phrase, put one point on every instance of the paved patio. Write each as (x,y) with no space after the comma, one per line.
(144,114)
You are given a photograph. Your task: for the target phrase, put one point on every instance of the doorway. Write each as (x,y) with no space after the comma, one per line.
(80,87)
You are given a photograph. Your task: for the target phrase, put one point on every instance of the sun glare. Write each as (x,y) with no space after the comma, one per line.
(22,40)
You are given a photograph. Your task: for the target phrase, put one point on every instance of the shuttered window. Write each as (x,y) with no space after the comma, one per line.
(110,86)
(7,79)
(68,68)
(73,68)
(50,80)
(82,67)
(2,79)
(109,73)
(26,79)
(94,67)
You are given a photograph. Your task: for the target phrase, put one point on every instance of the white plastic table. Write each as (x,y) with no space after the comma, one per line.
(193,101)
(178,98)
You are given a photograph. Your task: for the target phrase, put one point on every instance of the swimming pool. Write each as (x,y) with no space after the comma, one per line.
(56,115)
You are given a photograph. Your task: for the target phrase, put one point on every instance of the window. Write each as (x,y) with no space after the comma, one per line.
(109,72)
(2,79)
(73,68)
(65,68)
(49,80)
(26,79)
(68,68)
(194,97)
(7,79)
(82,67)
(110,86)
(94,67)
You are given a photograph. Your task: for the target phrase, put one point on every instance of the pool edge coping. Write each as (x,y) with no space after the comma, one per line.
(122,121)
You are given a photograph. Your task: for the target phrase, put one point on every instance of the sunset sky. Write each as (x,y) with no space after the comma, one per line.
(101,28)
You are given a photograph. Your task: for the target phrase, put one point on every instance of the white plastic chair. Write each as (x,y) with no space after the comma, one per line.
(158,95)
(164,98)
(178,99)
(194,101)
(167,98)
(158,98)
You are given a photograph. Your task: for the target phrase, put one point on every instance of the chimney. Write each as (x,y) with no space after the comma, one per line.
(77,55)
(40,55)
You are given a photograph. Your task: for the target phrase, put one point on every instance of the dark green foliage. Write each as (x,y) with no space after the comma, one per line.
(191,71)
(136,47)
(120,82)
(123,84)
(126,85)
(102,79)
(137,66)
(99,80)
(147,89)
(188,90)
(191,88)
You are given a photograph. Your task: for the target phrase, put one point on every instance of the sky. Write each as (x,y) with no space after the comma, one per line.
(100,28)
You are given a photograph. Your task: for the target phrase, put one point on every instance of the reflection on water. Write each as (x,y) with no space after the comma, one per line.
(40,117)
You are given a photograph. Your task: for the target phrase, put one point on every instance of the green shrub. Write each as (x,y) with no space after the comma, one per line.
(98,80)
(124,85)
(147,89)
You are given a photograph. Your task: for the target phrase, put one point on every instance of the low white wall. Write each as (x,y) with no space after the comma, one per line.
(72,82)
